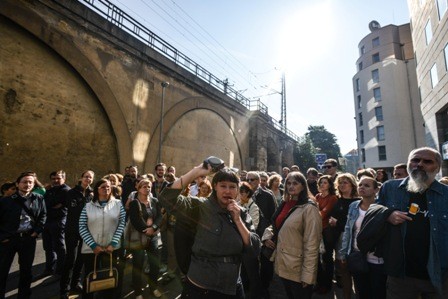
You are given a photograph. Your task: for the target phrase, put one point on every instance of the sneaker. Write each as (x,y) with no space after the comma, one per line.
(157,293)
(139,297)
(147,269)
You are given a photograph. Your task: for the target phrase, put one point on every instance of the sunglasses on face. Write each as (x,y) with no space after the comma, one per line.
(327,166)
(251,180)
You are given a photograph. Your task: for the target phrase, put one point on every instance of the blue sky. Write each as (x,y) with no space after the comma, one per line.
(314,42)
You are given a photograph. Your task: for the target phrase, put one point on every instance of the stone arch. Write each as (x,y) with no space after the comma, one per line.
(64,46)
(173,130)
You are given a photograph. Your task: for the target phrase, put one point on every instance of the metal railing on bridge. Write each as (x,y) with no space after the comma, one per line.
(127,23)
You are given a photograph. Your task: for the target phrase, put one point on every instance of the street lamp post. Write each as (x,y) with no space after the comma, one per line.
(159,156)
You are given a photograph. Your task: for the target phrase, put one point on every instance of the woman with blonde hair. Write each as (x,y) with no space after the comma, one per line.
(347,191)
(274,185)
(145,216)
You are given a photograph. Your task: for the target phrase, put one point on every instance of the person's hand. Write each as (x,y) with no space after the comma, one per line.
(98,249)
(34,235)
(234,209)
(332,221)
(149,231)
(269,244)
(304,284)
(398,217)
(109,249)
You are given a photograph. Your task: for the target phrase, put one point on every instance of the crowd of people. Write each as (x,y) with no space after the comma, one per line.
(224,232)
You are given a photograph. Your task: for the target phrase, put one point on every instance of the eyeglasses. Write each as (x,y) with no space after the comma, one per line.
(251,180)
(327,166)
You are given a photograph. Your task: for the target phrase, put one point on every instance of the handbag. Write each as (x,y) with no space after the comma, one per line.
(102,279)
(357,262)
(133,239)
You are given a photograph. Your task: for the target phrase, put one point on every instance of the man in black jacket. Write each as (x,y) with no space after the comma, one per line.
(22,218)
(265,200)
(53,236)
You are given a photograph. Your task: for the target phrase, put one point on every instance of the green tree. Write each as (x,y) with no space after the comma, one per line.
(304,154)
(325,141)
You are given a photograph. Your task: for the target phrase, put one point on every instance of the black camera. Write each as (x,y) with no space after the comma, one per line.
(216,163)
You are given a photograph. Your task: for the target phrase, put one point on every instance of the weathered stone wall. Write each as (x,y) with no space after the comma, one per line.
(49,117)
(78,92)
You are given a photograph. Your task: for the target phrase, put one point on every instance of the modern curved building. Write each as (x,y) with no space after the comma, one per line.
(429,22)
(389,122)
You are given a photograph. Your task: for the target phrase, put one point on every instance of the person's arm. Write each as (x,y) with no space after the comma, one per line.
(135,216)
(85,233)
(169,197)
(38,227)
(346,236)
(119,231)
(312,235)
(325,212)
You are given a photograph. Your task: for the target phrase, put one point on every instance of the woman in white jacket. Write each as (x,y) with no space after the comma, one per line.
(101,226)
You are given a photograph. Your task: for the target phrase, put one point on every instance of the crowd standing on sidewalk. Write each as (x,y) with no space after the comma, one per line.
(225,233)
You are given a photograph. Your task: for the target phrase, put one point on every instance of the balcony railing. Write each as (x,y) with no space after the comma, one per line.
(127,23)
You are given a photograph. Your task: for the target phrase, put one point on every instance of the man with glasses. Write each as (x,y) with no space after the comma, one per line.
(416,261)
(330,168)
(265,200)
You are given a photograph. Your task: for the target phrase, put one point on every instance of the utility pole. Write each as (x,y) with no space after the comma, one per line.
(283,94)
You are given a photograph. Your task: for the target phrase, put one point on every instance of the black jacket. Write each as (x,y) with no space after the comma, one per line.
(374,229)
(265,201)
(54,196)
(139,220)
(75,202)
(11,210)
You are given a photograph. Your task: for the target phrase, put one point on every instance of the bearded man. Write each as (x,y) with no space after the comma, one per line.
(416,250)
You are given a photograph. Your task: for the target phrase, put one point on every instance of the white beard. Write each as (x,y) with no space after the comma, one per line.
(417,180)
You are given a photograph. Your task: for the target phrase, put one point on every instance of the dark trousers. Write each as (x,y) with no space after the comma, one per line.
(413,288)
(295,290)
(250,275)
(103,261)
(54,245)
(326,263)
(371,285)
(191,291)
(71,274)
(25,247)
(266,275)
(139,278)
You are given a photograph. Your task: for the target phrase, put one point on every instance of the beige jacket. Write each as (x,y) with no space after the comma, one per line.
(298,245)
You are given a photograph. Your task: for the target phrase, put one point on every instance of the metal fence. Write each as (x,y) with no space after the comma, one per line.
(127,23)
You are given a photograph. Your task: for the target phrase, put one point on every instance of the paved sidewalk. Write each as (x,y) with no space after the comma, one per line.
(45,289)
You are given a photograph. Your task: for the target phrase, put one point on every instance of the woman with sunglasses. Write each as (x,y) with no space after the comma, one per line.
(224,234)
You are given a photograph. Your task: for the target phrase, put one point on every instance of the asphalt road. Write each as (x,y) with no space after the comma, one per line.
(43,288)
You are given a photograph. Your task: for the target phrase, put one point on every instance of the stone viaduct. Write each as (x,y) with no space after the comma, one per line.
(79,92)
